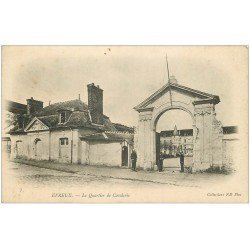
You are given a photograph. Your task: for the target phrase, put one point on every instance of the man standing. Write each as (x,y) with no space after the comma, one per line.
(133,158)
(161,158)
(182,161)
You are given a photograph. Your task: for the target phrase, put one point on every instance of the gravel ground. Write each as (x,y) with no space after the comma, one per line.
(37,177)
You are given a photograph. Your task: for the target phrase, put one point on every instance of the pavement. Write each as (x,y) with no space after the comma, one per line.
(85,173)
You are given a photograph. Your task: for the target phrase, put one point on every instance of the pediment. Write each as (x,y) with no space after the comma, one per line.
(35,125)
(181,92)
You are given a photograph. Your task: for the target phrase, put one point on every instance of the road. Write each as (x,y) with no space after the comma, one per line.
(40,177)
(46,182)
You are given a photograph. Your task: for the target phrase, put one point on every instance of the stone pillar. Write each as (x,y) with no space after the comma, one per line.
(144,140)
(207,142)
(76,147)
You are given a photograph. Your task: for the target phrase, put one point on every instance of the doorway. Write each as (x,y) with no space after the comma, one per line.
(124,156)
(38,149)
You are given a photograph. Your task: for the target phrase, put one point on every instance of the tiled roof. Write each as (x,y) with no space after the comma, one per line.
(79,117)
(68,105)
(50,121)
(123,128)
(109,136)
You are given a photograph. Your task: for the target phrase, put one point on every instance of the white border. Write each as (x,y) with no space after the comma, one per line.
(60,226)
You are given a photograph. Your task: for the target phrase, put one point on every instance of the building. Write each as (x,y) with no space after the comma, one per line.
(12,114)
(72,132)
(208,138)
(174,141)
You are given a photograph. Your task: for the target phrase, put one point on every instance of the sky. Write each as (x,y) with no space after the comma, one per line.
(127,74)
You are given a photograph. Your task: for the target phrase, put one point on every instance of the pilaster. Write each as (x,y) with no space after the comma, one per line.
(144,140)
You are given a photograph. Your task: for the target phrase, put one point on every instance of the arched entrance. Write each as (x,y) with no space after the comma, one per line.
(174,136)
(207,131)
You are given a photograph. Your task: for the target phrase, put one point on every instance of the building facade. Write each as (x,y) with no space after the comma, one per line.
(172,142)
(72,132)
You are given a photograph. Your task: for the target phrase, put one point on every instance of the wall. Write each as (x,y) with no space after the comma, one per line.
(14,139)
(55,145)
(50,145)
(175,162)
(230,147)
(105,153)
(30,144)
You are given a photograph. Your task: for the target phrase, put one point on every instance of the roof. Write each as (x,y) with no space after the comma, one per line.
(79,116)
(230,130)
(189,132)
(182,132)
(52,109)
(187,90)
(109,136)
(123,128)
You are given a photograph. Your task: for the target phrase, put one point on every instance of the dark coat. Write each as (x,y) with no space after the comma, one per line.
(134,156)
(182,158)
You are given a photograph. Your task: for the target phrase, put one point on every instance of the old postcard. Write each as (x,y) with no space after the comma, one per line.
(125,124)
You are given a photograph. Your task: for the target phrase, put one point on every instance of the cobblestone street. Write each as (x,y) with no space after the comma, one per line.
(39,173)
(39,177)
(30,180)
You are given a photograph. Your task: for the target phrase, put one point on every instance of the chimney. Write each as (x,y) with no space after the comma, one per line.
(33,106)
(95,103)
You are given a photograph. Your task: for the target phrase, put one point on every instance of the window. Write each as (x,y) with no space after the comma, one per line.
(62,117)
(64,141)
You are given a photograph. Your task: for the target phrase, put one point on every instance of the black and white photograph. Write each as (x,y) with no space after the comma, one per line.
(112,123)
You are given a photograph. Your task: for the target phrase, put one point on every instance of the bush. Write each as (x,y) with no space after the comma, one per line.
(220,170)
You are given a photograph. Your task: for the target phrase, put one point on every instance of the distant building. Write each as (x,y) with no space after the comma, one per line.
(71,132)
(174,141)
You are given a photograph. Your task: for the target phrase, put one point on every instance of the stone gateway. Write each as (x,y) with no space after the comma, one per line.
(207,130)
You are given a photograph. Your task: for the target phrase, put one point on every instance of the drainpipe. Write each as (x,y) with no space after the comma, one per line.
(71,145)
(49,144)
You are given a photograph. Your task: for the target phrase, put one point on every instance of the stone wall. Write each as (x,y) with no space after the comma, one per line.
(50,146)
(105,153)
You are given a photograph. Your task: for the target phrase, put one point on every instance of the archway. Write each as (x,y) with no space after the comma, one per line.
(174,135)
(207,130)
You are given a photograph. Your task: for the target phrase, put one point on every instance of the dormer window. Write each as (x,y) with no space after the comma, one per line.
(63,116)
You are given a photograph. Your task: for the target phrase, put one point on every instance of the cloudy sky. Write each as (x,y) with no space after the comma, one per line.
(127,74)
